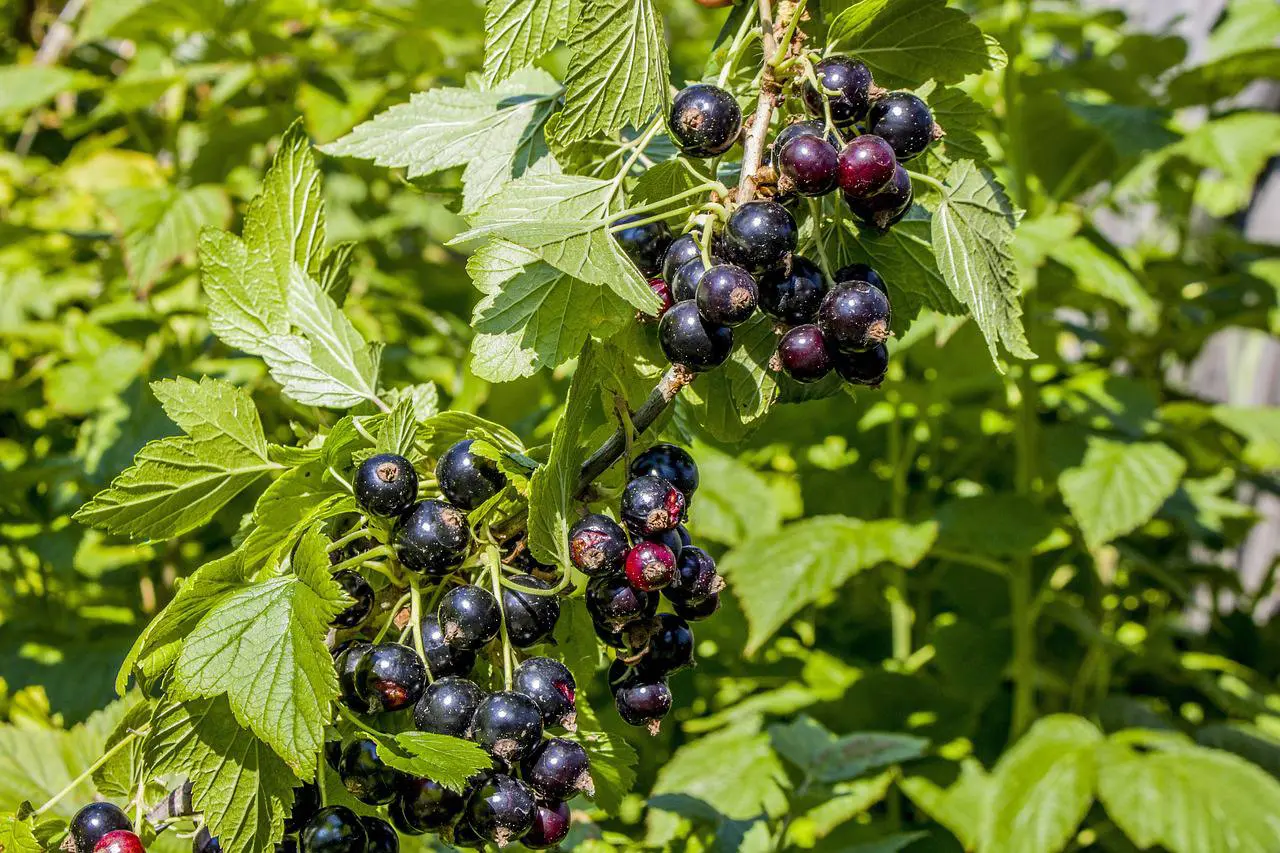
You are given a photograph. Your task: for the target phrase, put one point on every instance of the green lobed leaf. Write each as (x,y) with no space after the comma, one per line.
(25,87)
(399,430)
(17,836)
(823,757)
(118,776)
(1108,276)
(440,432)
(518,32)
(1119,486)
(906,42)
(734,501)
(961,808)
(1260,425)
(733,399)
(288,507)
(159,225)
(1224,76)
(612,758)
(961,117)
(285,222)
(904,257)
(448,760)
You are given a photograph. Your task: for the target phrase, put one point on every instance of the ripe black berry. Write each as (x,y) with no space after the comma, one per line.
(669,538)
(364,774)
(904,121)
(306,802)
(887,207)
(811,164)
(682,250)
(759,235)
(685,284)
(501,810)
(790,132)
(469,616)
(385,485)
(380,837)
(650,505)
(695,579)
(727,295)
(346,658)
(390,677)
(793,296)
(551,687)
(862,272)
(643,703)
(94,821)
(644,244)
(530,618)
(355,586)
(802,353)
(863,368)
(867,165)
(660,290)
(425,805)
(432,538)
(688,340)
(615,603)
(443,659)
(597,544)
(670,647)
(334,829)
(466,479)
(508,724)
(854,317)
(650,566)
(670,462)
(705,120)
(851,81)
(550,826)
(447,707)
(119,841)
(204,842)
(396,814)
(694,611)
(333,754)
(558,769)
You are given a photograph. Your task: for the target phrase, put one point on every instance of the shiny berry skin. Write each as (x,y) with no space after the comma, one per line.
(466,479)
(793,296)
(851,81)
(508,724)
(390,677)
(759,235)
(660,290)
(790,132)
(688,340)
(94,821)
(306,802)
(802,353)
(396,814)
(670,648)
(502,810)
(469,616)
(643,703)
(727,295)
(464,837)
(203,842)
(669,538)
(552,688)
(530,618)
(119,841)
(650,566)
(645,245)
(685,284)
(854,317)
(670,462)
(694,611)
(615,603)
(385,485)
(558,769)
(705,120)
(864,368)
(696,577)
(651,505)
(346,660)
(432,538)
(364,774)
(334,829)
(380,837)
(887,207)
(862,272)
(425,805)
(867,166)
(904,121)
(551,822)
(443,659)
(333,754)
(356,587)
(682,250)
(597,544)
(811,164)
(447,707)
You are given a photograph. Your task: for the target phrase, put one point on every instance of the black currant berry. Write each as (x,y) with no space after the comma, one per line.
(597,544)
(670,462)
(867,166)
(467,479)
(695,579)
(615,603)
(552,688)
(650,566)
(660,290)
(863,368)
(790,132)
(671,539)
(682,250)
(306,802)
(550,826)
(443,659)
(94,821)
(508,724)
(688,340)
(670,647)
(727,295)
(887,207)
(385,485)
(685,284)
(333,754)
(463,836)
(759,235)
(851,81)
(620,675)
(862,272)
(380,837)
(645,245)
(854,317)
(810,164)
(558,769)
(705,120)
(470,617)
(119,841)
(802,353)
(643,702)
(390,677)
(396,814)
(432,538)
(905,122)
(364,774)
(346,661)
(501,810)
(355,586)
(425,805)
(651,505)
(694,611)
(614,638)
(530,617)
(334,829)
(447,707)
(204,842)
(793,296)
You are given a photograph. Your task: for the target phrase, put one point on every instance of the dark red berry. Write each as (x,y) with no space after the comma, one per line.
(558,769)
(381,838)
(470,617)
(660,290)
(597,544)
(696,577)
(119,841)
(690,341)
(432,538)
(867,166)
(862,272)
(705,120)
(694,611)
(643,703)
(790,132)
(851,81)
(854,317)
(727,295)
(357,588)
(365,776)
(811,164)
(685,285)
(385,485)
(508,724)
(863,368)
(670,647)
(552,688)
(682,250)
(651,505)
(447,707)
(802,353)
(887,207)
(644,244)
(467,479)
(904,121)
(390,677)
(94,821)
(760,235)
(650,566)
(442,658)
(793,295)
(550,823)
(425,805)
(334,829)
(670,462)
(530,618)
(615,603)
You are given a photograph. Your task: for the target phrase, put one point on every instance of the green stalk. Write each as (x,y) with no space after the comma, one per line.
(495,577)
(92,768)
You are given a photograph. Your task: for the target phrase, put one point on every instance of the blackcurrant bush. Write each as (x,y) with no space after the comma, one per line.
(346,660)
(390,677)
(905,122)
(597,544)
(651,505)
(385,485)
(810,164)
(508,724)
(851,81)
(119,841)
(550,824)
(705,120)
(644,244)
(470,617)
(862,272)
(425,805)
(802,353)
(682,250)
(467,479)
(863,368)
(356,587)
(685,284)
(204,842)
(364,774)
(669,538)
(660,290)
(643,702)
(530,617)
(552,688)
(854,317)
(867,166)
(558,769)
(670,462)
(694,611)
(432,538)
(695,579)
(727,295)
(447,707)
(380,837)
(334,829)
(615,603)
(443,659)
(759,235)
(306,802)
(502,809)
(793,295)
(887,207)
(94,821)
(690,341)
(670,647)
(650,566)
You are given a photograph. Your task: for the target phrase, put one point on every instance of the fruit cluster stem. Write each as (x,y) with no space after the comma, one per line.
(753,145)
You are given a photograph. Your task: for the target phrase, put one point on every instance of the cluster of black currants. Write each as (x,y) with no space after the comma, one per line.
(103,828)
(633,567)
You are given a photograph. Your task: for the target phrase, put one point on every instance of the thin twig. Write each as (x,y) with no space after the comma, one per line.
(753,145)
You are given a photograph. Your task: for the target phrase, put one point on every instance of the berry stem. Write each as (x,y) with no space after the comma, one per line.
(701,189)
(753,145)
(91,769)
(391,617)
(359,532)
(364,432)
(351,718)
(785,43)
(341,480)
(415,616)
(928,179)
(657,217)
(815,210)
(736,46)
(639,146)
(494,561)
(360,559)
